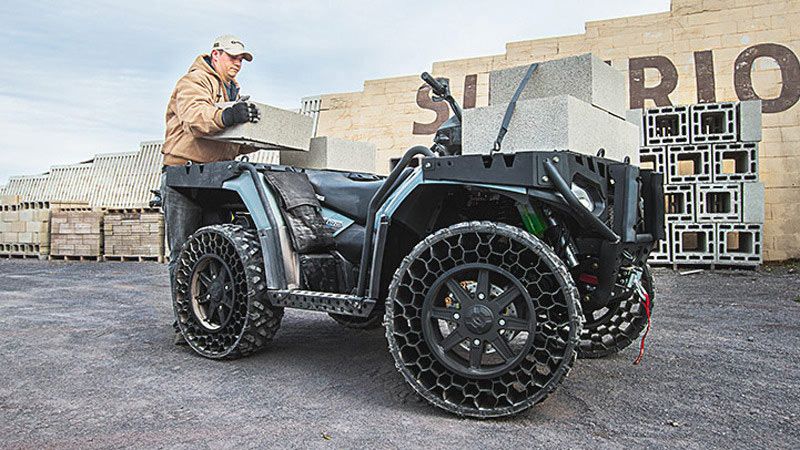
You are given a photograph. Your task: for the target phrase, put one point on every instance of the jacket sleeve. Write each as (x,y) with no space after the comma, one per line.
(195,106)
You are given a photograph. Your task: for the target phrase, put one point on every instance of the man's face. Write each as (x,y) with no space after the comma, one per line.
(226,65)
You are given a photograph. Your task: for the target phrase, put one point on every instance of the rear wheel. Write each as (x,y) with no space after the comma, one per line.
(219,301)
(483,319)
(611,328)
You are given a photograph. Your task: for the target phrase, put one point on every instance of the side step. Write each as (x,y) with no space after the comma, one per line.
(349,305)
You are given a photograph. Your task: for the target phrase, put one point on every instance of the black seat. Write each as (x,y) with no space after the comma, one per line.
(345,193)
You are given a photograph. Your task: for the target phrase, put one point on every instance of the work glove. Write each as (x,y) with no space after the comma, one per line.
(240,112)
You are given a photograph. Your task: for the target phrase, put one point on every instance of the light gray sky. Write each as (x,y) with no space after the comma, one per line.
(86,77)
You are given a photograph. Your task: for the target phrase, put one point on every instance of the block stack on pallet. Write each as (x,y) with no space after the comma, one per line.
(714,201)
(133,235)
(24,228)
(76,232)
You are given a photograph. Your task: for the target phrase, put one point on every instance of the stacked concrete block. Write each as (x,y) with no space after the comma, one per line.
(335,154)
(76,233)
(575,103)
(714,122)
(553,123)
(584,77)
(714,201)
(136,235)
(689,164)
(667,125)
(735,161)
(653,158)
(278,129)
(24,228)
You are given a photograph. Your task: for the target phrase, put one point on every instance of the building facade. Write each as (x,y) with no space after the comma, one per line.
(699,51)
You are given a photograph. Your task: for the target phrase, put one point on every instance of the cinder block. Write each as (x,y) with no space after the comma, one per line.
(667,125)
(584,77)
(739,243)
(25,238)
(636,117)
(693,243)
(719,202)
(661,252)
(714,122)
(689,164)
(333,153)
(752,202)
(9,199)
(750,121)
(554,123)
(654,158)
(736,162)
(679,203)
(278,129)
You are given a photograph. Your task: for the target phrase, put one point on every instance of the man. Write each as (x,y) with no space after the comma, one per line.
(193,113)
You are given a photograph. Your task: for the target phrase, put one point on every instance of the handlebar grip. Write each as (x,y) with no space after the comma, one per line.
(437,87)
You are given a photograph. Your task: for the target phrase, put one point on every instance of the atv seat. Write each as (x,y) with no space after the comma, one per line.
(345,193)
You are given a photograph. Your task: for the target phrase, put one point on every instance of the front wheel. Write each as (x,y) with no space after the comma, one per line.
(483,319)
(615,326)
(219,300)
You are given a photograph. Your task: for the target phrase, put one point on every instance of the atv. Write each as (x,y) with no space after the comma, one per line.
(490,273)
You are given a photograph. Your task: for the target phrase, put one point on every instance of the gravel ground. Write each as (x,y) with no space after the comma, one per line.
(88,361)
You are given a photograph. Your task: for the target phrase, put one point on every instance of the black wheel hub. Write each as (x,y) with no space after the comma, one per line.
(493,331)
(212,293)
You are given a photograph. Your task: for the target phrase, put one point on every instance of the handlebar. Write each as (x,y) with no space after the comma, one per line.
(437,87)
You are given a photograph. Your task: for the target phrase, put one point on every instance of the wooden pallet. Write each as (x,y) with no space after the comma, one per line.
(21,256)
(133,258)
(73,258)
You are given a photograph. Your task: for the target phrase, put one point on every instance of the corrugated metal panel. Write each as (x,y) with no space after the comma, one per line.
(124,180)
(31,188)
(71,183)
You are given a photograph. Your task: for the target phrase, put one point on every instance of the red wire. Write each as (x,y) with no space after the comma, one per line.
(646,304)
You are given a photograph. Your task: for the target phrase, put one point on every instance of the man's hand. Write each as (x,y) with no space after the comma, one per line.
(241,112)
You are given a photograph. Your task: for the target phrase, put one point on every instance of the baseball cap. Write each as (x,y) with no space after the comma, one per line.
(231,45)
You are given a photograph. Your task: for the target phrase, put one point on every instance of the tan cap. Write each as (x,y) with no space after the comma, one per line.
(231,45)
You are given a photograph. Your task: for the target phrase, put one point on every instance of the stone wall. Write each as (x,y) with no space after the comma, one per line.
(700,51)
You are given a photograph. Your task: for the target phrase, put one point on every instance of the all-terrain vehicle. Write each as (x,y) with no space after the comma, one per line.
(490,273)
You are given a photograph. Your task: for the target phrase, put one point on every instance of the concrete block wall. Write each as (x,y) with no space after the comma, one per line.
(714,201)
(133,235)
(695,52)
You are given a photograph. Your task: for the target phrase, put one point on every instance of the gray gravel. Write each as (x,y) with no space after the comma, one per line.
(88,361)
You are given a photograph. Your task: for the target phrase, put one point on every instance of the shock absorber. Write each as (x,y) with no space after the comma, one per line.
(558,236)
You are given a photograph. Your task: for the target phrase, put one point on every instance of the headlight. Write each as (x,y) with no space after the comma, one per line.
(583,197)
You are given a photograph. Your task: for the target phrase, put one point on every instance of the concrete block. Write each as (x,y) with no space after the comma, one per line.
(9,199)
(693,243)
(332,153)
(679,203)
(661,253)
(750,121)
(278,129)
(584,77)
(719,202)
(753,202)
(714,122)
(553,123)
(735,162)
(667,125)
(739,244)
(654,158)
(636,117)
(689,164)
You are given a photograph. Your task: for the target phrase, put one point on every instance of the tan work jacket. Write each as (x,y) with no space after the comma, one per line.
(192,113)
